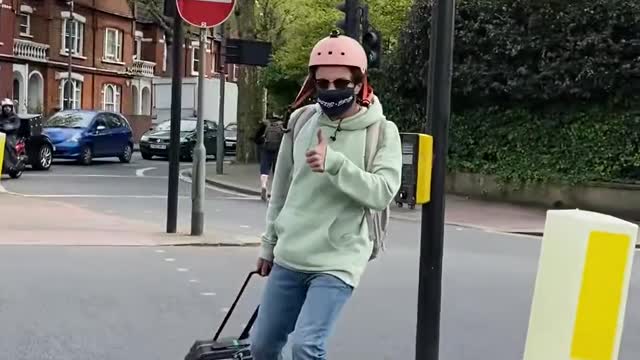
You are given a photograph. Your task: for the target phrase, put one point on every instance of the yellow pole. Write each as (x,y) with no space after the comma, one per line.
(3,140)
(581,287)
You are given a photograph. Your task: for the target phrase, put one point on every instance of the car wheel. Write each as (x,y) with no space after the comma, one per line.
(126,154)
(146,156)
(42,158)
(86,156)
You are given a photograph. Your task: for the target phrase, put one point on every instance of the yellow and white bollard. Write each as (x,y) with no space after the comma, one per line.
(581,287)
(3,140)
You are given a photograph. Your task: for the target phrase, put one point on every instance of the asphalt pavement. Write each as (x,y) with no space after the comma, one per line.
(109,302)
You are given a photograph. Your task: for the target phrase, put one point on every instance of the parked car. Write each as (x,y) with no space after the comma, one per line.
(155,142)
(230,138)
(38,146)
(85,135)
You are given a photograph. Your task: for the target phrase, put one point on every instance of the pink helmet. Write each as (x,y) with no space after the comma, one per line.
(339,50)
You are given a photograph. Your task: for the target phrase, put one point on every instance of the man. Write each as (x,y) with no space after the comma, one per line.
(316,245)
(9,124)
(273,134)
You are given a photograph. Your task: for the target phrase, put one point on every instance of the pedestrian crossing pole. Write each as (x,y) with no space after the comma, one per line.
(432,237)
(177,52)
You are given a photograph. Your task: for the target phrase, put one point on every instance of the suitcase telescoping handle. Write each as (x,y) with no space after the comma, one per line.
(247,328)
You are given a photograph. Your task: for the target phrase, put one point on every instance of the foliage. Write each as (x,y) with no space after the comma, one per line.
(542,89)
(307,22)
(598,144)
(528,53)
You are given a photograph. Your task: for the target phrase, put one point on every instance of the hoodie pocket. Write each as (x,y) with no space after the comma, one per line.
(345,232)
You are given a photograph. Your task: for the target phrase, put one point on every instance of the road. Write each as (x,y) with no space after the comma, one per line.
(152,302)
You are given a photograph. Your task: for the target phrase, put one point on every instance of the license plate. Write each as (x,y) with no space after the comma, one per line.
(154,146)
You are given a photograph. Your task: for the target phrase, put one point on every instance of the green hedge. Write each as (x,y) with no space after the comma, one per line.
(575,147)
(532,81)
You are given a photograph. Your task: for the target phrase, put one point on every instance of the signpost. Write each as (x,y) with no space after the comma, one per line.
(204,14)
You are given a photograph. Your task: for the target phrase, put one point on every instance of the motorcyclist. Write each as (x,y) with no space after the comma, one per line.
(9,124)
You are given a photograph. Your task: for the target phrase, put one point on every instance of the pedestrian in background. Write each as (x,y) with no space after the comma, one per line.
(317,242)
(273,133)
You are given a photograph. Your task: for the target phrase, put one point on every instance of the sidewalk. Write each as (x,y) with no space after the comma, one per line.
(460,211)
(36,221)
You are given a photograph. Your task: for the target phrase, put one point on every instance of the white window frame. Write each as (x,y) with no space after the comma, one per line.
(76,88)
(76,35)
(195,59)
(113,104)
(137,45)
(164,52)
(25,11)
(118,38)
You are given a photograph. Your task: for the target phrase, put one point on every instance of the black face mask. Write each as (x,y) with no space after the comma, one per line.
(336,102)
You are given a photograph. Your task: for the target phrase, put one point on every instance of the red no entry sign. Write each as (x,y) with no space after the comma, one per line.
(205,13)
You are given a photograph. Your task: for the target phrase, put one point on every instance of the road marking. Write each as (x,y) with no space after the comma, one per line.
(208,294)
(225,310)
(169,259)
(160,251)
(194,281)
(182,269)
(187,179)
(140,172)
(245,226)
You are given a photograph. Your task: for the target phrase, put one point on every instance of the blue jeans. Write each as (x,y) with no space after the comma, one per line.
(313,300)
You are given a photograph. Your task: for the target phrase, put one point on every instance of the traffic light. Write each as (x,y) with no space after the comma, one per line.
(350,23)
(372,43)
(371,40)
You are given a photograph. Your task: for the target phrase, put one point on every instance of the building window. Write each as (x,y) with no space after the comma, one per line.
(235,72)
(113,45)
(137,46)
(195,60)
(71,94)
(164,53)
(25,24)
(214,58)
(137,49)
(111,98)
(73,35)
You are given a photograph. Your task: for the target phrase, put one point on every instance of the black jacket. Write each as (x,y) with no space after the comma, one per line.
(9,124)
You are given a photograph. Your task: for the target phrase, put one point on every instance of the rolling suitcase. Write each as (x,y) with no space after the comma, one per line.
(235,348)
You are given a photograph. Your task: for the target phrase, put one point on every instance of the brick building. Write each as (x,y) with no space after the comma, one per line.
(116,52)
(35,38)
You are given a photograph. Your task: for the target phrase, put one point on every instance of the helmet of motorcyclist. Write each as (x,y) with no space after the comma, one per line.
(7,106)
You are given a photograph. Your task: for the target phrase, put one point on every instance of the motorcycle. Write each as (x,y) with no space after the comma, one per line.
(21,152)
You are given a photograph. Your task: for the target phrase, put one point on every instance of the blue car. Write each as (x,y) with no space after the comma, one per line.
(85,135)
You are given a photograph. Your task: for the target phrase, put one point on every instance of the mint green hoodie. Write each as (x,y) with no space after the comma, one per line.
(316,221)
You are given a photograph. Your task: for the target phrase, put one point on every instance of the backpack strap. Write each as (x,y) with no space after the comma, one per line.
(299,121)
(374,138)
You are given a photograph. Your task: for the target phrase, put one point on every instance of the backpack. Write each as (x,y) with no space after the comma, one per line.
(377,221)
(273,136)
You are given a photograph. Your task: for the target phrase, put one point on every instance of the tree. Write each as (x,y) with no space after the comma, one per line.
(250,91)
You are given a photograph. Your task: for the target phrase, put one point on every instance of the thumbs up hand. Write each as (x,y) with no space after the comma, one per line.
(317,155)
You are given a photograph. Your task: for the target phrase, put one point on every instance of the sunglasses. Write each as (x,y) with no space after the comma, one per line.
(340,84)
